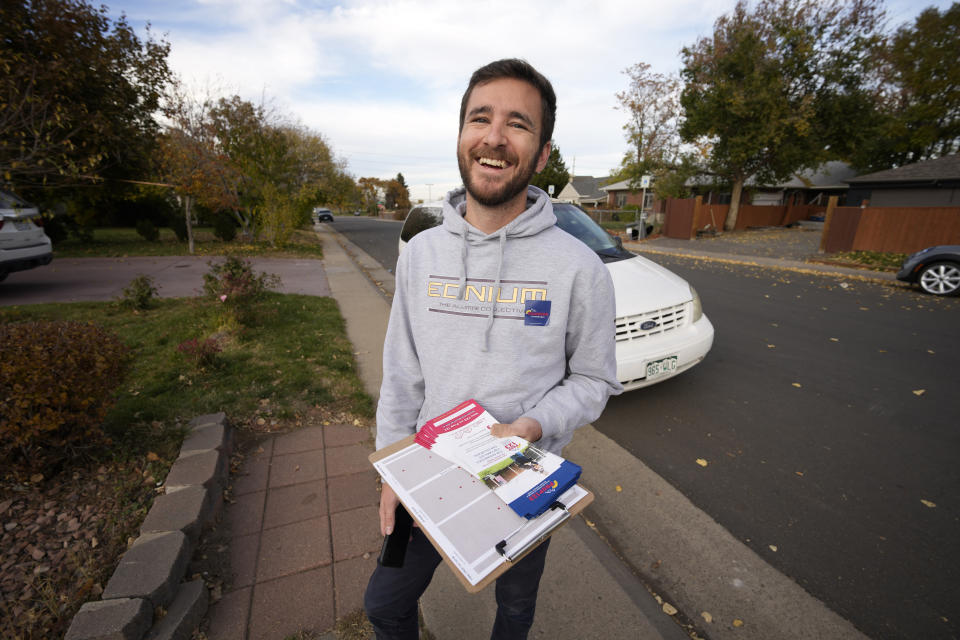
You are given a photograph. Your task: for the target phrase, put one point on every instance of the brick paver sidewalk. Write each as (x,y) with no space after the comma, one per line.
(303,535)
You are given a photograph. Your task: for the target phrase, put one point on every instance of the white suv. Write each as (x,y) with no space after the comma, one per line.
(23,244)
(661,327)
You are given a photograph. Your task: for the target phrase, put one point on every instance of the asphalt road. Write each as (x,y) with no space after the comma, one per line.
(827,416)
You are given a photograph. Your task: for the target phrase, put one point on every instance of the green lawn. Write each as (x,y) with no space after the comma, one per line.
(117,242)
(294,357)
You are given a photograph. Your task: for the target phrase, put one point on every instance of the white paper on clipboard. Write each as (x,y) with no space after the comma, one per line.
(460,512)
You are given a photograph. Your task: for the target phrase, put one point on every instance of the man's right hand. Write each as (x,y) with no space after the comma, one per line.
(388,507)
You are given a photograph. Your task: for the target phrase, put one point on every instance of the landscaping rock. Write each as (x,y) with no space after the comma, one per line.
(122,619)
(184,615)
(211,418)
(188,510)
(197,468)
(152,568)
(211,436)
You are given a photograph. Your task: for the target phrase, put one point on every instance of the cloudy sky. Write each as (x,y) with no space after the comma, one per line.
(382,79)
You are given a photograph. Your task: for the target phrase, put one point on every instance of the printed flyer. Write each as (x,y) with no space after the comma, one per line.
(521,475)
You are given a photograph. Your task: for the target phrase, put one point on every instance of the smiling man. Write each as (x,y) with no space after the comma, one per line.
(499,305)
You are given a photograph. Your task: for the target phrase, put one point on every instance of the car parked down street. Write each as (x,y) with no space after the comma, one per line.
(322,214)
(23,243)
(935,269)
(661,328)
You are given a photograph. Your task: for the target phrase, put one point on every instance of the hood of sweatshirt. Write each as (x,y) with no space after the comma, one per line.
(537,217)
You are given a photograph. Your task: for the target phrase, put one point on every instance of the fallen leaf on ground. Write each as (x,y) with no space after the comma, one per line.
(927,503)
(669,609)
(919,392)
(706,616)
(799,473)
(798,385)
(619,488)
(702,462)
(152,457)
(773,548)
(738,622)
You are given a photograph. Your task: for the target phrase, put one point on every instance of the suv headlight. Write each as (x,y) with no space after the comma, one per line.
(697,305)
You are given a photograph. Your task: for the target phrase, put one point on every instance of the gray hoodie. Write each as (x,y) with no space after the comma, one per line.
(469,320)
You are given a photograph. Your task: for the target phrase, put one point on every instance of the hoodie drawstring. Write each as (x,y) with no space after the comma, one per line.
(462,289)
(496,289)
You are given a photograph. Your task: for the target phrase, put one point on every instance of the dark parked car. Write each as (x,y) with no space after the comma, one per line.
(935,269)
(320,214)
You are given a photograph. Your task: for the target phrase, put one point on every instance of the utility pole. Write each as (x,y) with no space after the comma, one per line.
(429,192)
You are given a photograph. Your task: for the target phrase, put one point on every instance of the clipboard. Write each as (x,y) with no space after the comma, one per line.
(476,533)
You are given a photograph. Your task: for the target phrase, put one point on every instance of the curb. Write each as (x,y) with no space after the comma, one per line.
(150,574)
(809,268)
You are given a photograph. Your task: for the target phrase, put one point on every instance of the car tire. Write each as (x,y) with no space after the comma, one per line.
(940,279)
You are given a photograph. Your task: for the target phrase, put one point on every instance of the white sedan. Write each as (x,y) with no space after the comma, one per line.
(661,328)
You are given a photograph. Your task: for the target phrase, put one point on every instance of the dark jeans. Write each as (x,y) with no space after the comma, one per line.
(392,594)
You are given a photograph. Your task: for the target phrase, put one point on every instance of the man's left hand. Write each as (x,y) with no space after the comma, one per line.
(527,428)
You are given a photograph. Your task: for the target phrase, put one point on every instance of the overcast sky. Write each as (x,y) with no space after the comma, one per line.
(382,79)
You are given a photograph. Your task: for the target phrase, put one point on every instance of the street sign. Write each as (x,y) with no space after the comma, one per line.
(550,189)
(645,182)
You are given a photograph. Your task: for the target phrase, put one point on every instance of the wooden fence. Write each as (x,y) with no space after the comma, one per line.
(889,229)
(688,216)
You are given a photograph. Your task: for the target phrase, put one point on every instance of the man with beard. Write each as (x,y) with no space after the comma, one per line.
(499,305)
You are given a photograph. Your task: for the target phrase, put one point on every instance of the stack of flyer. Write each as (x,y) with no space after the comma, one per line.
(523,476)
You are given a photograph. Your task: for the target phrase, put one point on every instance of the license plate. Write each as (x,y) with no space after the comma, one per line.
(22,225)
(662,367)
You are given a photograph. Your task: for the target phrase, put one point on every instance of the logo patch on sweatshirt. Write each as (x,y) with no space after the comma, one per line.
(536,313)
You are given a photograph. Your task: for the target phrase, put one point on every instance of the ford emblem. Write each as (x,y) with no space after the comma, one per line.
(649,324)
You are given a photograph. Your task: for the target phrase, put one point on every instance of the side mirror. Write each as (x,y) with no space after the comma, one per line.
(619,241)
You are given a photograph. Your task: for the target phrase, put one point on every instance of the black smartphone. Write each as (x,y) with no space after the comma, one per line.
(394,547)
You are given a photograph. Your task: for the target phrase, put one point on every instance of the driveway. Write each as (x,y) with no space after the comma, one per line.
(795,243)
(82,279)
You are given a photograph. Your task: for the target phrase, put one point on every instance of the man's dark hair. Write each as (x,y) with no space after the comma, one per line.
(519,70)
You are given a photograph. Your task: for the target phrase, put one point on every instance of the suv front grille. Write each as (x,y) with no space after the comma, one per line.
(666,319)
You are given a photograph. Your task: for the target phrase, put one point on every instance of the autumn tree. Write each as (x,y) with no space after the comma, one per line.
(78,91)
(554,173)
(652,104)
(919,99)
(779,89)
(371,191)
(397,196)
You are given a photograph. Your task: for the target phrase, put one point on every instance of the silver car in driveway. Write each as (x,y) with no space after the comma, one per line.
(23,243)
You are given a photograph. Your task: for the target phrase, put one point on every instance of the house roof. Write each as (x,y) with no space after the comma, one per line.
(945,168)
(588,186)
(829,175)
(617,186)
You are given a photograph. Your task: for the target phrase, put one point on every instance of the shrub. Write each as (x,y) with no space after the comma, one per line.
(237,288)
(139,294)
(224,227)
(57,381)
(147,230)
(179,225)
(203,352)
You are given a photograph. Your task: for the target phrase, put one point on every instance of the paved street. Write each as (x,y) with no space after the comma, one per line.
(827,415)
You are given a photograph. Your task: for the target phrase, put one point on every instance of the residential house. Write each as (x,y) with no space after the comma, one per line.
(930,183)
(620,194)
(806,187)
(584,191)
